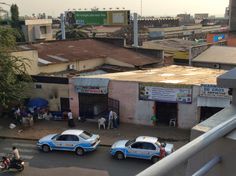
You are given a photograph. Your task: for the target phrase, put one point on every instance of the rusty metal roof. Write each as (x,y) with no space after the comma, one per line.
(175,75)
(79,50)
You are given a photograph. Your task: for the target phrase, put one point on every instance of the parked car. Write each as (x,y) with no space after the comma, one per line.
(143,147)
(78,141)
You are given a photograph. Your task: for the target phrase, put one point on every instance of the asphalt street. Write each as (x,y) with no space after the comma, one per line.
(60,163)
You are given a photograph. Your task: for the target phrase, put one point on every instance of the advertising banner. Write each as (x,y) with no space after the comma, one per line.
(165,94)
(208,90)
(120,17)
(91,18)
(92,90)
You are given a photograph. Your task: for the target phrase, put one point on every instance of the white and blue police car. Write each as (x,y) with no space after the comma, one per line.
(78,141)
(143,147)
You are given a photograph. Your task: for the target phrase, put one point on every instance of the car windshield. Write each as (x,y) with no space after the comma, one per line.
(55,136)
(86,135)
(129,142)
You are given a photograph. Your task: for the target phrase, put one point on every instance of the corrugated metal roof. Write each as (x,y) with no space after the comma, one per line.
(182,75)
(91,82)
(218,55)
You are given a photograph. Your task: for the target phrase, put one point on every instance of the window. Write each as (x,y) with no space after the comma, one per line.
(62,138)
(129,142)
(148,146)
(38,86)
(85,135)
(43,29)
(137,145)
(72,138)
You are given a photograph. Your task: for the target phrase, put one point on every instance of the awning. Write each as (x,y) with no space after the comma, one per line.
(217,102)
(91,85)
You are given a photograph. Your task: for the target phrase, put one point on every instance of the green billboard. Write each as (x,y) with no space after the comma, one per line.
(91,18)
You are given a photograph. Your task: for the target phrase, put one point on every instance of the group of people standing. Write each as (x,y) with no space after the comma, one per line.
(113,121)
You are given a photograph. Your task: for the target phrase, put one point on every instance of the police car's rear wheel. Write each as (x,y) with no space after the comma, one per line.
(155,159)
(45,148)
(79,151)
(120,155)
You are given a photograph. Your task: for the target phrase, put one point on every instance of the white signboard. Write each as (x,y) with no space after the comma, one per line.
(182,95)
(118,18)
(208,90)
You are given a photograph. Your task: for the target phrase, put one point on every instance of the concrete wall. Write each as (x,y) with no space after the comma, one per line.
(212,65)
(54,67)
(223,147)
(112,61)
(89,64)
(32,56)
(232,15)
(50,92)
(126,93)
(74,98)
(189,114)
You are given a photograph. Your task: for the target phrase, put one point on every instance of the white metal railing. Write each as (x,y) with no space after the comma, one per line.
(164,166)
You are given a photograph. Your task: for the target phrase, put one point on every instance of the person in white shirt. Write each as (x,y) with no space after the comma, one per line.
(110,120)
(101,122)
(15,152)
(70,119)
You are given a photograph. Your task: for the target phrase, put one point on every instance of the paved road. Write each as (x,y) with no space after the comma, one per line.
(98,163)
(66,163)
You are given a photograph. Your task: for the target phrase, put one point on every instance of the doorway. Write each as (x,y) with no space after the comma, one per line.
(166,111)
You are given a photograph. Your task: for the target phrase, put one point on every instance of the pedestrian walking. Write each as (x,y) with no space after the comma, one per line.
(110,120)
(101,122)
(70,119)
(115,119)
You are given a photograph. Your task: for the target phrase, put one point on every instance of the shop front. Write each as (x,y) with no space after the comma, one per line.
(167,100)
(211,100)
(92,96)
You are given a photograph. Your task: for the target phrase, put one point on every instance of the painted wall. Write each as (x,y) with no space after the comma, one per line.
(89,64)
(132,110)
(32,56)
(223,147)
(74,98)
(50,92)
(189,114)
(54,67)
(112,61)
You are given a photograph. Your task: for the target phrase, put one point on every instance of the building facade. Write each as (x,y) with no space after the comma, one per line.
(139,95)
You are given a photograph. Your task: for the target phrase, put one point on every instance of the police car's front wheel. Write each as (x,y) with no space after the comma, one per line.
(120,155)
(45,148)
(79,151)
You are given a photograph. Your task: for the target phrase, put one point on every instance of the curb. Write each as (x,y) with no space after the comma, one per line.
(30,139)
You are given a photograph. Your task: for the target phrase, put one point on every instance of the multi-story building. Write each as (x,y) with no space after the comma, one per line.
(37,30)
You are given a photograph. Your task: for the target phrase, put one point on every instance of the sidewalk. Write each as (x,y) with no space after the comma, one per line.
(108,137)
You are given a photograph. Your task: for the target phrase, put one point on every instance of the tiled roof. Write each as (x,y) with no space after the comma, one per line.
(65,51)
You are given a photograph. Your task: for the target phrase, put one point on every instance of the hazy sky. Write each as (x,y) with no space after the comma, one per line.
(150,7)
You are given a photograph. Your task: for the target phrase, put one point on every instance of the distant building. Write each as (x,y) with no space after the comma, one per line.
(185,19)
(226,13)
(151,22)
(37,30)
(198,17)
(64,57)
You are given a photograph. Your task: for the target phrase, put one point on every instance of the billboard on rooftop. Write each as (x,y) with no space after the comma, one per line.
(118,17)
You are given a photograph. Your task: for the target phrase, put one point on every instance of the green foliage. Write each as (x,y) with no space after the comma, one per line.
(15,23)
(13,75)
(15,16)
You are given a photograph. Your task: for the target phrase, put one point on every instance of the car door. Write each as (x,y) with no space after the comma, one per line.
(135,150)
(71,142)
(59,142)
(149,149)
(66,142)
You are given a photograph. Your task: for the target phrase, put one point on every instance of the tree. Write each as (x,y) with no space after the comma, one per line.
(74,33)
(13,76)
(15,16)
(15,22)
